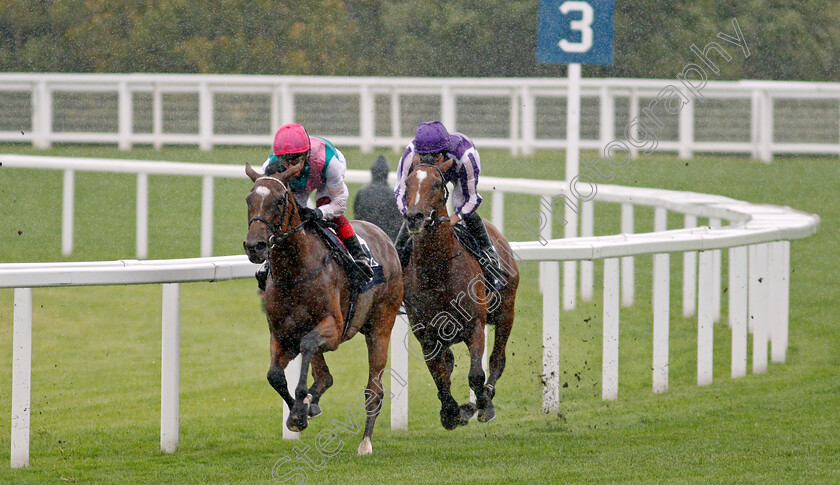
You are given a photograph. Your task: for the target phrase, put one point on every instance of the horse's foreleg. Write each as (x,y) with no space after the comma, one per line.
(310,345)
(441,369)
(323,381)
(276,376)
(475,345)
(497,361)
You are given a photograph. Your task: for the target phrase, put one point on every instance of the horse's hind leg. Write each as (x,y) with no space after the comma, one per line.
(323,381)
(475,344)
(377,340)
(504,323)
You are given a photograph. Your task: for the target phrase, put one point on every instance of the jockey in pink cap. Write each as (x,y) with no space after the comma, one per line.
(323,171)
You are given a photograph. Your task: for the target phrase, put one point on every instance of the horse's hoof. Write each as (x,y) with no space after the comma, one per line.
(365,447)
(314,410)
(466,412)
(487,414)
(450,418)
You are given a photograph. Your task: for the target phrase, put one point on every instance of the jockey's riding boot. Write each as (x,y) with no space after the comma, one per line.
(262,275)
(362,261)
(479,232)
(403,245)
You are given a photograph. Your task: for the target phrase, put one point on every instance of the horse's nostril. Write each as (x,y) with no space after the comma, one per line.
(260,246)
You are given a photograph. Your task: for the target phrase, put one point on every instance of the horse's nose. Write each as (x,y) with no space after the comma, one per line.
(414,220)
(257,251)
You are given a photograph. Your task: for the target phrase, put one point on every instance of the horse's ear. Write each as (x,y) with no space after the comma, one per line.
(252,174)
(415,160)
(290,173)
(445,165)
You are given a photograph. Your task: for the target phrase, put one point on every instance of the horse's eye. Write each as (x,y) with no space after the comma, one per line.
(436,184)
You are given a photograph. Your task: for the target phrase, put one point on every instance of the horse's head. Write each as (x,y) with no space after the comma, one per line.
(426,196)
(272,212)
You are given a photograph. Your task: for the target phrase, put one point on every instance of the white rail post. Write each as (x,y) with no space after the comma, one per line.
(292,372)
(738,309)
(43,114)
(607,117)
(609,372)
(207,216)
(498,210)
(779,260)
(687,127)
(67,212)
(287,108)
(448,114)
(205,116)
(396,123)
(758,301)
(21,377)
(399,364)
(126,116)
(627,261)
(529,121)
(170,367)
(572,170)
(661,320)
(513,130)
(587,268)
(550,278)
(367,120)
(157,116)
(766,127)
(705,325)
(689,274)
(634,127)
(755,124)
(715,223)
(142,215)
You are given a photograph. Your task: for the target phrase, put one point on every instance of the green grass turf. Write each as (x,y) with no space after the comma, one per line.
(96,371)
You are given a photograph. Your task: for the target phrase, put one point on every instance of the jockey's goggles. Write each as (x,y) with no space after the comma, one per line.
(429,158)
(292,158)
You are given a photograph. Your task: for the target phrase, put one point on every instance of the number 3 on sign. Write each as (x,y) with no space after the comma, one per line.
(584,26)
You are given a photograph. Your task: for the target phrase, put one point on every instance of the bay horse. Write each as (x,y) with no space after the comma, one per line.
(307,299)
(447,300)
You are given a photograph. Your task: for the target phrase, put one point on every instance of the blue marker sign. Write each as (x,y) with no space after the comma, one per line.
(575,32)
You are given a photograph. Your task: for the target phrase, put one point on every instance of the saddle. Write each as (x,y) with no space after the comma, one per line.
(471,244)
(359,282)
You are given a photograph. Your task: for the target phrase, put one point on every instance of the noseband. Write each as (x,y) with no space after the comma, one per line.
(277,235)
(432,220)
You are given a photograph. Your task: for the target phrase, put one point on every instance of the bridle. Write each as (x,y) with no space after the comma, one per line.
(431,220)
(277,235)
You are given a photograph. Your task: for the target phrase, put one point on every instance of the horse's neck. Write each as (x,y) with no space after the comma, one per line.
(436,250)
(300,251)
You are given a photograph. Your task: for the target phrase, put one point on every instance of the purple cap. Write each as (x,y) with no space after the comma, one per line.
(431,137)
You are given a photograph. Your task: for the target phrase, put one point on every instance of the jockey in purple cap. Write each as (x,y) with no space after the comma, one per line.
(434,145)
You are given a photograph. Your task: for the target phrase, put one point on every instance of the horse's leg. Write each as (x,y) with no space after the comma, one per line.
(323,381)
(377,343)
(310,345)
(441,369)
(504,323)
(475,345)
(276,376)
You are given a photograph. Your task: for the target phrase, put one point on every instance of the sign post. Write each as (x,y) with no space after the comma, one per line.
(574,33)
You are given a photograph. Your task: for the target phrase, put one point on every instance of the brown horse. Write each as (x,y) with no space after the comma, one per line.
(447,300)
(307,300)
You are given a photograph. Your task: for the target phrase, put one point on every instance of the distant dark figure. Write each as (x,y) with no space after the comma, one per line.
(375,202)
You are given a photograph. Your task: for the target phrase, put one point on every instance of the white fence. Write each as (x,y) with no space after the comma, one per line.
(760,118)
(757,238)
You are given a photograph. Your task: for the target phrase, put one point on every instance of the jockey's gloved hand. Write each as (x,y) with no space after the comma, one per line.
(307,214)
